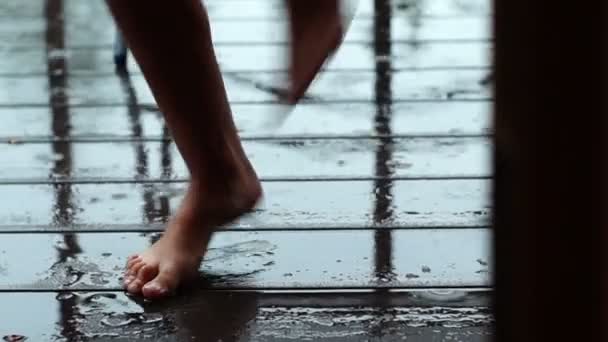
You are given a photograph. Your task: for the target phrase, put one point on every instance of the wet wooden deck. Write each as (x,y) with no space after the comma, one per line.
(375,221)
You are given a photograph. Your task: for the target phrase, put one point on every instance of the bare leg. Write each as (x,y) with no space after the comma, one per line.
(316,31)
(180,66)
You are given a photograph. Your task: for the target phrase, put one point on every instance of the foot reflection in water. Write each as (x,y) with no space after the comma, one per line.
(196,315)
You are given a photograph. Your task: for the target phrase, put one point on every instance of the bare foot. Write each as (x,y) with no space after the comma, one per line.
(174,258)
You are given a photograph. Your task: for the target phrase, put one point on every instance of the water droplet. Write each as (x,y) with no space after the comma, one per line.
(14,338)
(482,262)
(65,296)
(426,269)
(152,318)
(411,276)
(383,58)
(57,53)
(324,321)
(106,254)
(14,142)
(288,275)
(116,322)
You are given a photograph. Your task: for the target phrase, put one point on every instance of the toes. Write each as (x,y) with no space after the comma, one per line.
(164,283)
(134,270)
(138,274)
(129,271)
(133,260)
(135,286)
(128,280)
(147,273)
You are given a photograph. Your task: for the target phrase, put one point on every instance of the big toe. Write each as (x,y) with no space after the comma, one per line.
(134,286)
(165,283)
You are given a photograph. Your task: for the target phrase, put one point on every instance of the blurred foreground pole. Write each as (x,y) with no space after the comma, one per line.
(551,195)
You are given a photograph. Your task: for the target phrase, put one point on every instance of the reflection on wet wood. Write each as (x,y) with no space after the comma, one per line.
(63,213)
(384,209)
(416,316)
(260,260)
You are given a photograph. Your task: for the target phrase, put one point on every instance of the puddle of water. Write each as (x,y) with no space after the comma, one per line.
(14,338)
(112,315)
(236,262)
(313,323)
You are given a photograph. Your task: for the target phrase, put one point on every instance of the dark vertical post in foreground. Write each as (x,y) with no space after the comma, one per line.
(551,171)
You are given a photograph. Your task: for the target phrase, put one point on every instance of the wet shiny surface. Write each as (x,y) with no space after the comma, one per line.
(270,9)
(425,258)
(326,158)
(354,86)
(250,317)
(91,19)
(383,173)
(424,55)
(304,204)
(325,120)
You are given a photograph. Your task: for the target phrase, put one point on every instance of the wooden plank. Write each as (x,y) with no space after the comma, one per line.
(263,10)
(273,9)
(286,205)
(96,29)
(23,9)
(441,55)
(284,159)
(356,119)
(425,85)
(421,258)
(205,316)
(80,29)
(18,31)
